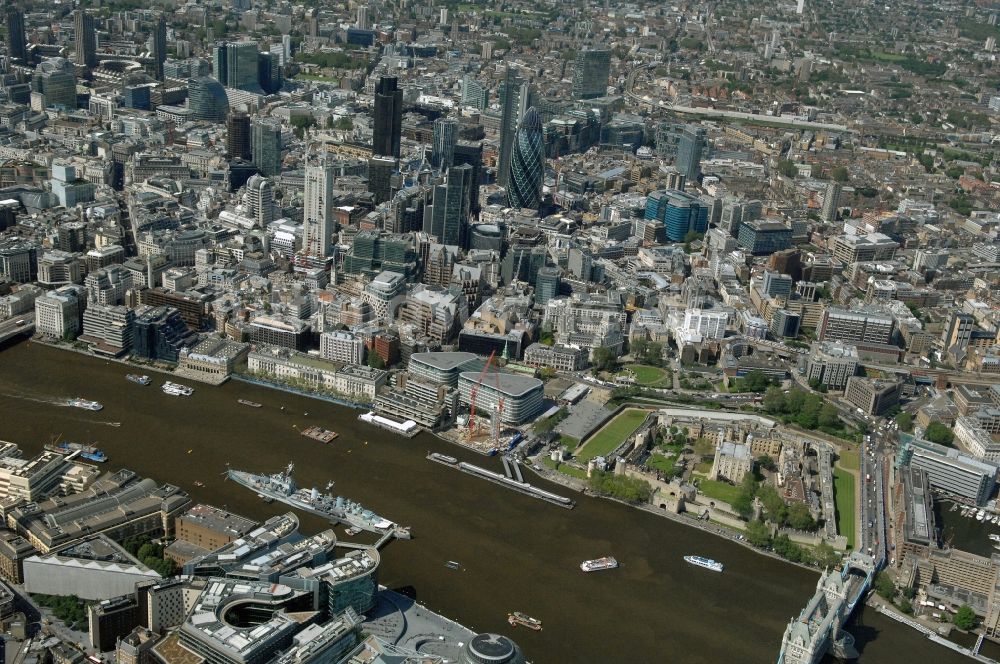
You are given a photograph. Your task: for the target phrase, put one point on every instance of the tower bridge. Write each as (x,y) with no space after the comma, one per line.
(819,628)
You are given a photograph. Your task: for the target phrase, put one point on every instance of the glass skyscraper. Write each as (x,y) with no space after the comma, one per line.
(235,65)
(387,129)
(85,39)
(527,168)
(266,147)
(445,138)
(450,209)
(17,42)
(207,99)
(680,213)
(158,44)
(689,145)
(590,73)
(509,94)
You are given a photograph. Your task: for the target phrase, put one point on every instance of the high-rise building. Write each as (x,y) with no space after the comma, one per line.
(269,72)
(680,213)
(445,138)
(158,46)
(85,39)
(317,213)
(689,146)
(958,334)
(830,202)
(56,79)
(266,147)
(17,42)
(471,154)
(388,117)
(474,93)
(235,65)
(364,21)
(590,73)
(856,326)
(546,284)
(380,171)
(449,213)
(775,284)
(527,168)
(259,200)
(238,136)
(508,122)
(207,99)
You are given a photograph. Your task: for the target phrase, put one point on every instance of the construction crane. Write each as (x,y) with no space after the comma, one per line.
(497,419)
(475,392)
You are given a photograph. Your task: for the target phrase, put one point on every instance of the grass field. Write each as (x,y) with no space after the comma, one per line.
(843,493)
(849,460)
(662,463)
(565,469)
(647,375)
(569,441)
(727,493)
(612,435)
(703,468)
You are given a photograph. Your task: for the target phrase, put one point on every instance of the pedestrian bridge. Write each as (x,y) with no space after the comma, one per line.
(819,628)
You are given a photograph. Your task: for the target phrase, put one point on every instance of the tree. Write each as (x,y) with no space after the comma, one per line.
(774,506)
(839,173)
(787,168)
(939,433)
(774,400)
(604,359)
(345,123)
(884,586)
(767,463)
(965,617)
(826,555)
(758,534)
(799,517)
(906,606)
(375,361)
(905,422)
(829,416)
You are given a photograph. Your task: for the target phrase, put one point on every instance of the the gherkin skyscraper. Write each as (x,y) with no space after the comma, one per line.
(524,187)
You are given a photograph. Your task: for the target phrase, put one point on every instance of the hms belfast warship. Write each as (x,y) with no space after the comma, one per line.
(281,487)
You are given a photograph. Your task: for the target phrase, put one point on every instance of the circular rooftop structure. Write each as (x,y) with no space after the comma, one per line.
(491,649)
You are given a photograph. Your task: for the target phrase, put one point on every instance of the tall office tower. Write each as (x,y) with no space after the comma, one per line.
(269,72)
(800,6)
(590,73)
(527,169)
(380,170)
(689,146)
(508,122)
(445,138)
(317,212)
(958,334)
(238,136)
(17,41)
(235,65)
(266,147)
(471,154)
(158,46)
(85,37)
(56,79)
(388,117)
(448,214)
(259,199)
(364,21)
(474,93)
(207,99)
(831,201)
(680,213)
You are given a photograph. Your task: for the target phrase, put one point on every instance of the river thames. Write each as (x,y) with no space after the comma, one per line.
(517,553)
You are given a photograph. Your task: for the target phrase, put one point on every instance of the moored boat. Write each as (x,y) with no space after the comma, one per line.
(707,563)
(177,390)
(247,402)
(518,618)
(139,380)
(598,564)
(88,452)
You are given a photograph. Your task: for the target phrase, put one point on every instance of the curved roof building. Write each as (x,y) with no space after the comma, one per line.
(207,99)
(522,395)
(527,168)
(491,649)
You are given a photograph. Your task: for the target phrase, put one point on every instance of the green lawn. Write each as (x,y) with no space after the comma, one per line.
(843,493)
(723,491)
(662,463)
(612,435)
(564,468)
(849,460)
(647,375)
(703,468)
(569,441)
